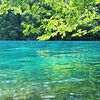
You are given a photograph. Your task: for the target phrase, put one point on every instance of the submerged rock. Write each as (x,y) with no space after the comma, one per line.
(48,97)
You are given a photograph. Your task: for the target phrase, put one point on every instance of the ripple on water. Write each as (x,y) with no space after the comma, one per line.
(49,70)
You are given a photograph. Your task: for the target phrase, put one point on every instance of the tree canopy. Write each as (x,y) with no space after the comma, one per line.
(49,19)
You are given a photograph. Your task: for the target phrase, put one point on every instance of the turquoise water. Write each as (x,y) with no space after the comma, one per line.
(32,70)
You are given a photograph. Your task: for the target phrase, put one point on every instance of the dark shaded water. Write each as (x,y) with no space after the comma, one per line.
(49,70)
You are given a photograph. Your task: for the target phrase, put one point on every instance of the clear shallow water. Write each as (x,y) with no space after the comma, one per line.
(49,70)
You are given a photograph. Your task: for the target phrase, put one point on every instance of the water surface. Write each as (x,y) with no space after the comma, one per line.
(58,70)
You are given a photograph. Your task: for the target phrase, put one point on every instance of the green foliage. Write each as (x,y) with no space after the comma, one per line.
(47,18)
(9,27)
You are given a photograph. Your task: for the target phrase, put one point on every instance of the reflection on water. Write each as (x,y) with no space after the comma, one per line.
(49,70)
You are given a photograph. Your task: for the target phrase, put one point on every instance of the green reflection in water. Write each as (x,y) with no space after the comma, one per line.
(49,70)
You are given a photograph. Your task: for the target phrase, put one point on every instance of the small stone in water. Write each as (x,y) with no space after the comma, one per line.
(8,81)
(22,89)
(0,94)
(48,97)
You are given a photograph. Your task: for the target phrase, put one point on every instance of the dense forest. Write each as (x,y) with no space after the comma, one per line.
(50,19)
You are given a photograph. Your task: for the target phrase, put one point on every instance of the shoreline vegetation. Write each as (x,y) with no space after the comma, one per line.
(50,20)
